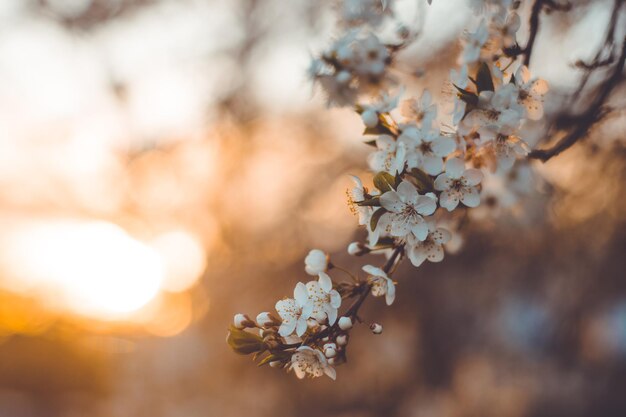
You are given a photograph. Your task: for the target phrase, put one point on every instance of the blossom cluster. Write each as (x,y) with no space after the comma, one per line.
(425,178)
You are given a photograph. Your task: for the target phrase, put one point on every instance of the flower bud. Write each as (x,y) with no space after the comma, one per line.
(342,340)
(345,323)
(370,118)
(315,262)
(276,364)
(264,319)
(376,328)
(331,361)
(312,324)
(241,321)
(354,248)
(330,350)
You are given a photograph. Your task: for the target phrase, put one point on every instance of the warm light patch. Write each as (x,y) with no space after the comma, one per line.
(183,258)
(91,268)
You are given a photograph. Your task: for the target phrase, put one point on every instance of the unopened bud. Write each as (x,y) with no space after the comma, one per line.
(331,361)
(312,324)
(330,350)
(264,319)
(276,364)
(376,328)
(345,323)
(354,248)
(342,339)
(370,118)
(241,321)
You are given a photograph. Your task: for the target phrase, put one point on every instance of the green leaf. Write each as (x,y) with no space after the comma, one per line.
(244,343)
(278,356)
(424,182)
(484,82)
(376,217)
(467,96)
(379,129)
(372,202)
(384,181)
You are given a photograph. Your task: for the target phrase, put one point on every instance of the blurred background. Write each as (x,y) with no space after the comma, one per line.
(165,164)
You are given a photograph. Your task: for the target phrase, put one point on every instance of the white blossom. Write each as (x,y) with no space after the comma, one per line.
(458,184)
(385,104)
(405,210)
(325,300)
(499,108)
(294,312)
(505,146)
(315,262)
(307,361)
(423,111)
(425,148)
(390,155)
(381,284)
(475,42)
(431,248)
(530,93)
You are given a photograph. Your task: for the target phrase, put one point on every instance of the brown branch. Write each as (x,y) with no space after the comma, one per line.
(594,113)
(534,29)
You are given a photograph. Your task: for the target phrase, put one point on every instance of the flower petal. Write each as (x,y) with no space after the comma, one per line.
(407,192)
(471,197)
(472,176)
(392,202)
(449,200)
(443,146)
(325,282)
(433,164)
(442,182)
(372,270)
(455,168)
(417,255)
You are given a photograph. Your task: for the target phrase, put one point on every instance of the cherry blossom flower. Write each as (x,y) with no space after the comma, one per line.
(425,148)
(315,262)
(475,41)
(381,283)
(499,108)
(324,299)
(530,92)
(506,147)
(295,311)
(422,111)
(389,157)
(458,184)
(384,104)
(431,248)
(405,210)
(307,361)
